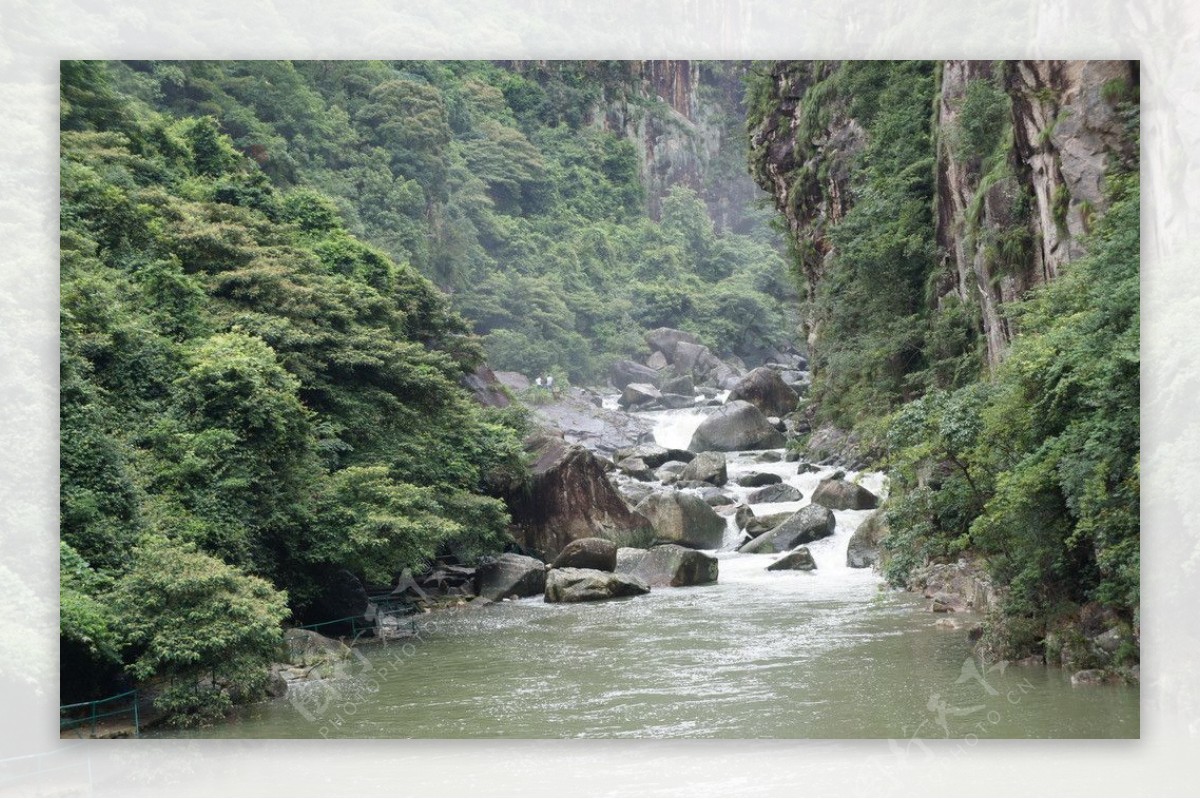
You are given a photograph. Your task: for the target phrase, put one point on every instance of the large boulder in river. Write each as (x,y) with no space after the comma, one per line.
(735,426)
(569,497)
(653,455)
(590,585)
(657,361)
(669,565)
(758,525)
(799,559)
(765,389)
(622,373)
(683,519)
(694,359)
(780,492)
(318,656)
(588,553)
(759,479)
(680,385)
(863,549)
(810,523)
(636,394)
(508,575)
(707,467)
(665,339)
(840,494)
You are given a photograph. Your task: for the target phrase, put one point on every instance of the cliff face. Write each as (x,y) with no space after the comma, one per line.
(1005,231)
(1020,152)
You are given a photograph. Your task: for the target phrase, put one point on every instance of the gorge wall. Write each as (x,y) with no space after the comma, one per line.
(1019,152)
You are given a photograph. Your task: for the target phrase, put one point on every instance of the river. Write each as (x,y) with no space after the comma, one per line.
(831,653)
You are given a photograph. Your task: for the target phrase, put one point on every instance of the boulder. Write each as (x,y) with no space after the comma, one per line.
(508,575)
(636,394)
(758,525)
(713,496)
(765,389)
(568,496)
(744,516)
(683,519)
(669,565)
(674,402)
(863,549)
(770,456)
(622,373)
(694,359)
(707,467)
(318,656)
(669,472)
(759,479)
(724,376)
(653,454)
(733,427)
(590,585)
(810,523)
(680,385)
(807,468)
(657,361)
(664,339)
(840,494)
(588,553)
(799,559)
(634,492)
(780,492)
(1089,677)
(636,468)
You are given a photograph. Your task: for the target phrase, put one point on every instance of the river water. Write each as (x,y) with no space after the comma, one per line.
(831,653)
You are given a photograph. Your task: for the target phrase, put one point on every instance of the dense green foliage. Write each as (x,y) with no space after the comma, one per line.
(494,182)
(1032,468)
(251,397)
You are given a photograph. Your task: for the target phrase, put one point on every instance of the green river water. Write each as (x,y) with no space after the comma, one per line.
(823,654)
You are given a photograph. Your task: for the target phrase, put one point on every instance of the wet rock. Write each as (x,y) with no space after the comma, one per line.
(694,359)
(590,585)
(1089,677)
(780,492)
(680,385)
(707,467)
(863,549)
(508,575)
(636,468)
(674,402)
(944,603)
(799,559)
(758,479)
(733,427)
(669,471)
(764,389)
(318,656)
(637,394)
(770,456)
(743,516)
(810,523)
(715,498)
(657,361)
(653,454)
(588,553)
(569,497)
(964,580)
(807,468)
(624,372)
(634,492)
(791,456)
(844,495)
(683,519)
(762,524)
(669,565)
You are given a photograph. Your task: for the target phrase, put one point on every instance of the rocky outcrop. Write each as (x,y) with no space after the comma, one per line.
(588,553)
(590,585)
(577,417)
(683,519)
(707,467)
(959,586)
(810,523)
(510,575)
(799,559)
(311,656)
(844,495)
(486,387)
(863,549)
(736,426)
(668,565)
(765,389)
(569,497)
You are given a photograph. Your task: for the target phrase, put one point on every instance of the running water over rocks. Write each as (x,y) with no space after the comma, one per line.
(827,653)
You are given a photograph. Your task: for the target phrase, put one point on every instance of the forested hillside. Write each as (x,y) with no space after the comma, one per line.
(967,239)
(566,207)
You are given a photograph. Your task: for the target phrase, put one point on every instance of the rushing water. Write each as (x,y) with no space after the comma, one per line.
(823,654)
